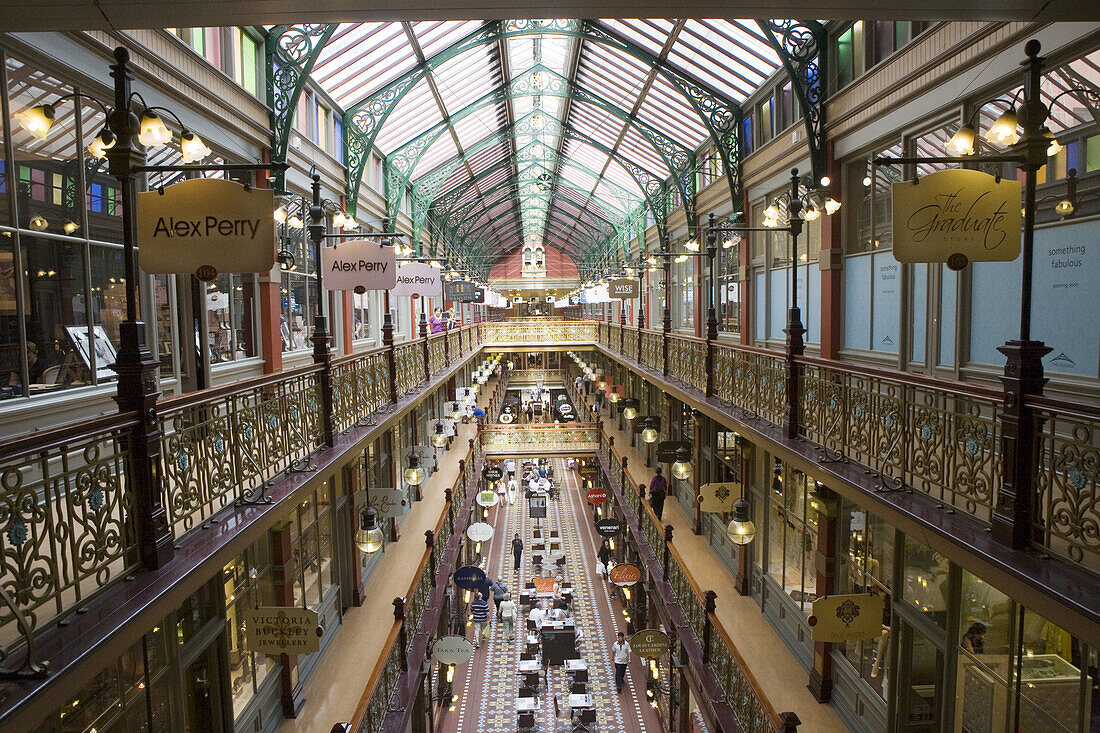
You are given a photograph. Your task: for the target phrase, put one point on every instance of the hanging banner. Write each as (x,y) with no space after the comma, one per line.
(208,223)
(418,279)
(847,617)
(718,497)
(282,630)
(469,577)
(452,650)
(956,216)
(464,291)
(359,264)
(623,289)
(624,575)
(388,502)
(649,643)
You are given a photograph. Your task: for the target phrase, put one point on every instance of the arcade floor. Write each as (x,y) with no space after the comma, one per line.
(487,687)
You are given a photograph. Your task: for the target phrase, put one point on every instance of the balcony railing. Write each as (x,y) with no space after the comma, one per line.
(536,331)
(540,439)
(70,526)
(937,437)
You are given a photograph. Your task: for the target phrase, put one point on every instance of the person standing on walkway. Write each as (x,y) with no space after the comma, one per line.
(604,553)
(499,591)
(658,489)
(507,610)
(480,610)
(517,550)
(620,650)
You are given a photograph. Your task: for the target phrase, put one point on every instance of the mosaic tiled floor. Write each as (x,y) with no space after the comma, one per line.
(489,684)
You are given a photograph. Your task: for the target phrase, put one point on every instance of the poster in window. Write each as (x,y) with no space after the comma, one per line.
(104,350)
(1065,298)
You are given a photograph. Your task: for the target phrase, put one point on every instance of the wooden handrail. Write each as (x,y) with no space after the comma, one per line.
(1063,407)
(44,440)
(203,396)
(769,709)
(375,675)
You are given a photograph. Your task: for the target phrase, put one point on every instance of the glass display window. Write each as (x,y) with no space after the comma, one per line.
(792,534)
(247,584)
(925,581)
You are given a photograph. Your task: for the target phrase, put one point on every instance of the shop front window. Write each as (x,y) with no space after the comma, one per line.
(925,581)
(792,534)
(1017,670)
(247,583)
(311,546)
(865,551)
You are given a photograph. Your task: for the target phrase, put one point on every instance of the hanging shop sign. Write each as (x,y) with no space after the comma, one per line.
(718,497)
(463,291)
(359,264)
(847,617)
(480,531)
(956,216)
(596,496)
(418,279)
(282,630)
(492,472)
(649,643)
(545,586)
(207,224)
(609,527)
(388,502)
(536,507)
(666,449)
(469,577)
(452,650)
(624,289)
(624,574)
(487,498)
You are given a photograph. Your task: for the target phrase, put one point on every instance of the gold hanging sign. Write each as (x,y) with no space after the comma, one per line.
(282,630)
(956,216)
(718,497)
(623,289)
(206,226)
(846,617)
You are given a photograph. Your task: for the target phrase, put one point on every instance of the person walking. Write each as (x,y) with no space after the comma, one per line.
(510,467)
(435,323)
(620,650)
(499,591)
(517,550)
(486,589)
(507,611)
(658,490)
(513,487)
(480,610)
(604,553)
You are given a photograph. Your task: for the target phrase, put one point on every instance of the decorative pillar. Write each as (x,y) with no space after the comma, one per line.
(696,475)
(322,339)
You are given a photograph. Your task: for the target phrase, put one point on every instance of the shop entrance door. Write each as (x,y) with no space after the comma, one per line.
(920,689)
(202,694)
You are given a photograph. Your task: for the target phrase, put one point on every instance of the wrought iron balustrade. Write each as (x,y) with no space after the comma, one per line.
(224,445)
(537,331)
(563,437)
(437,360)
(360,385)
(66,527)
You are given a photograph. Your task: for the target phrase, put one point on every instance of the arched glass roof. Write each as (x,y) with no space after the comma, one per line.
(544,131)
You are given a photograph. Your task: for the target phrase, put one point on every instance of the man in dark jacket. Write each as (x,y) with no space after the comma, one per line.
(517,550)
(499,591)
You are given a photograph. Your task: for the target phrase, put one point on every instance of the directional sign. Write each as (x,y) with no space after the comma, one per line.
(649,643)
(452,650)
(596,496)
(625,574)
(609,527)
(469,577)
